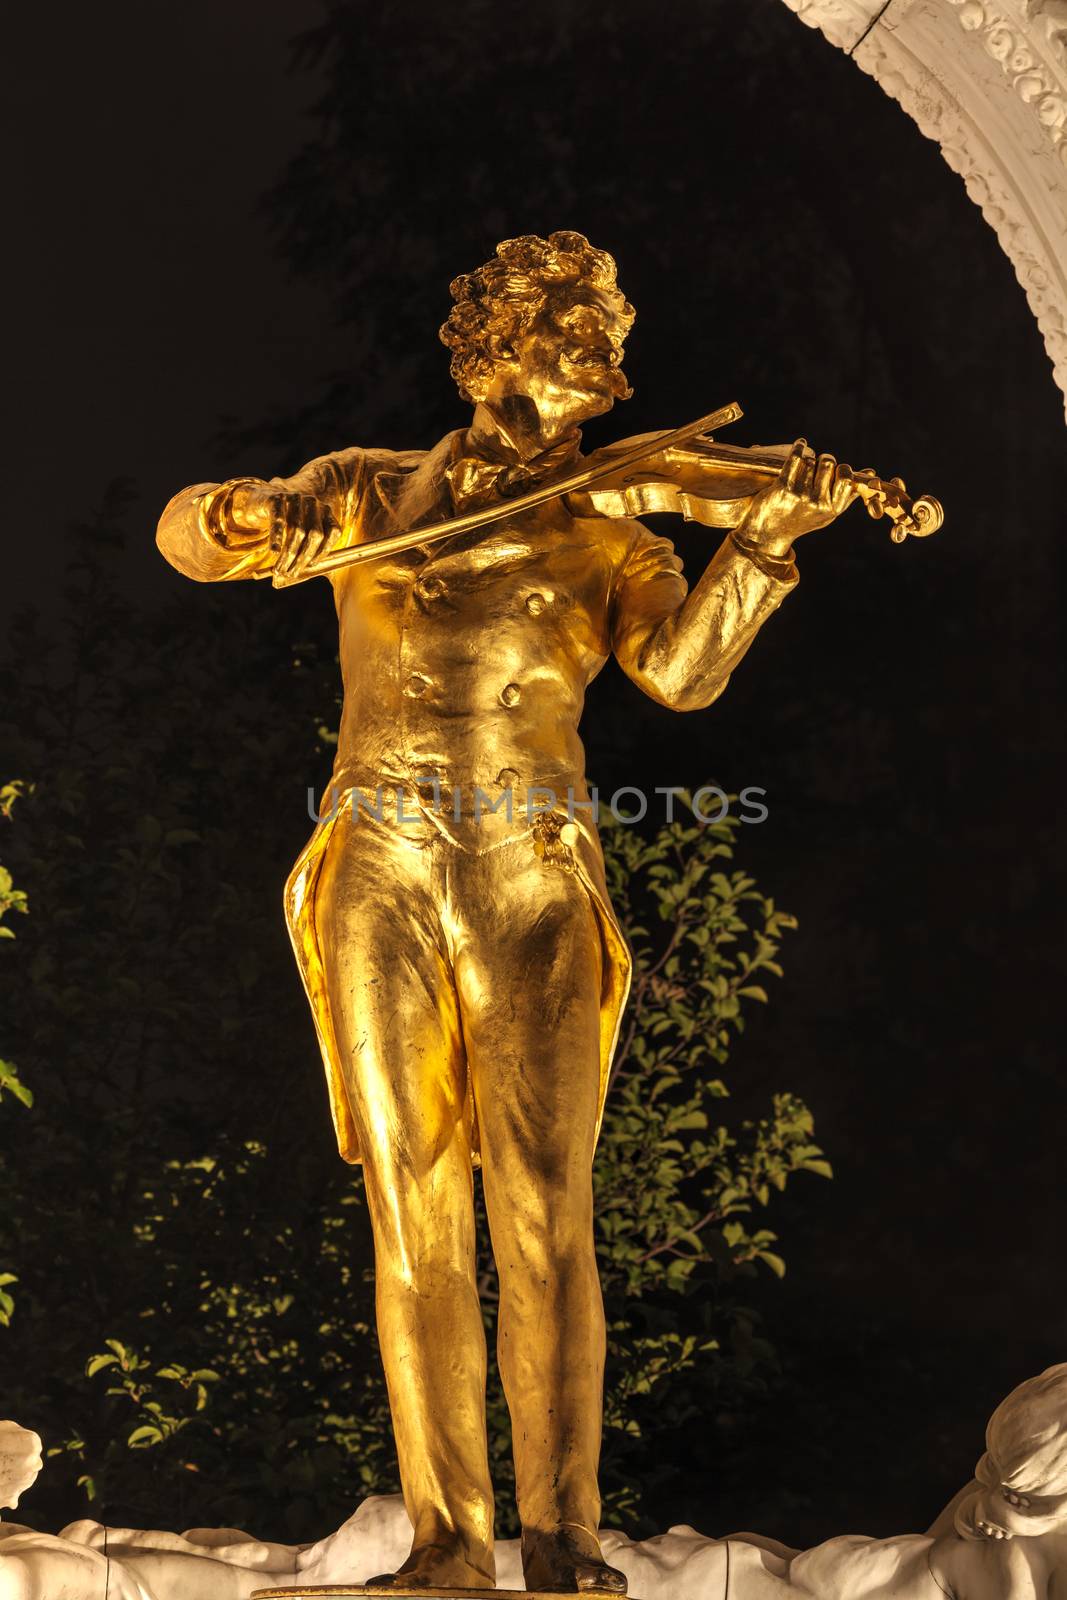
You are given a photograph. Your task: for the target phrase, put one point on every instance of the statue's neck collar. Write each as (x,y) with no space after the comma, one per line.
(490,435)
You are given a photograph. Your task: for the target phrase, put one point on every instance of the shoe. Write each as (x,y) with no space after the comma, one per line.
(568,1559)
(433,1567)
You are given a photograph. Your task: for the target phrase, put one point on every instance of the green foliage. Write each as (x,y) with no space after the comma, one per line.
(158,1015)
(11,899)
(673,1182)
(180,1197)
(12,1084)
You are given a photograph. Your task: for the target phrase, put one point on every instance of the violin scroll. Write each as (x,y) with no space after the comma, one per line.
(888,498)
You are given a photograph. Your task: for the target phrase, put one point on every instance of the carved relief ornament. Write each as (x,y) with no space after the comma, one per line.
(988,82)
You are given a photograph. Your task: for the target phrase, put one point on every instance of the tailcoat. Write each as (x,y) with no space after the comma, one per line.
(465,665)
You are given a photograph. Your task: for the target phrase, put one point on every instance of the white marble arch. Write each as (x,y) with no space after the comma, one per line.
(988,80)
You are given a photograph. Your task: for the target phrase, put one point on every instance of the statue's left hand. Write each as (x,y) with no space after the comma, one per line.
(809,493)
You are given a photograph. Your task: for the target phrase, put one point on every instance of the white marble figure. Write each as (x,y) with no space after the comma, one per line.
(1004,1537)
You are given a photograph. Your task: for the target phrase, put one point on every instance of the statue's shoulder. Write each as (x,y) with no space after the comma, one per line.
(380,459)
(992,1569)
(605,454)
(391,472)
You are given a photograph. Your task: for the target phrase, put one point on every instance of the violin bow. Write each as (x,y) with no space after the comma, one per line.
(880,496)
(335,560)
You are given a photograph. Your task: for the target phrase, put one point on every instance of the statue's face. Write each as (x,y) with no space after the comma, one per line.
(568,361)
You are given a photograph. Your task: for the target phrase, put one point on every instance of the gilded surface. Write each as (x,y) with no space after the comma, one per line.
(449,915)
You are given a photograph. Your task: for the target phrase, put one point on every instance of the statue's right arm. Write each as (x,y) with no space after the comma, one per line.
(249,527)
(994,1569)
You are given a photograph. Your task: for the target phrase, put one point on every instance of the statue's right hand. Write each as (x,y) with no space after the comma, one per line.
(298,526)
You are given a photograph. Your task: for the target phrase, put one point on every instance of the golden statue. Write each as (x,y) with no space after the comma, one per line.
(450,917)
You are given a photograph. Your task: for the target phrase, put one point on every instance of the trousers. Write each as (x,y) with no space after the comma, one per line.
(465,995)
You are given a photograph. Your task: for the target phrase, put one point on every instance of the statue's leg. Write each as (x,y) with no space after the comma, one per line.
(527,958)
(394,1010)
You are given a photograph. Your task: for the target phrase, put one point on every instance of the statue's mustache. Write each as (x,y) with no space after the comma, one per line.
(579,356)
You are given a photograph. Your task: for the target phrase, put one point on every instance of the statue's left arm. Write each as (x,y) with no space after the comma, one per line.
(680,647)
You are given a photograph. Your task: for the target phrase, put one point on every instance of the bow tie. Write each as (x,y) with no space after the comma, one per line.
(475,479)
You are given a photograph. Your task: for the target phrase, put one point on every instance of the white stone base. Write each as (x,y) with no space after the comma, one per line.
(1003,1538)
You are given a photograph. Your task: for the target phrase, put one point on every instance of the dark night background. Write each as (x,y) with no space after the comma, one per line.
(184,307)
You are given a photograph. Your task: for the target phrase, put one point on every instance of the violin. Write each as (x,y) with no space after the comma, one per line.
(683,470)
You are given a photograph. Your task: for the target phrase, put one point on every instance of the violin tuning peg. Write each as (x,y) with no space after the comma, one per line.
(927,515)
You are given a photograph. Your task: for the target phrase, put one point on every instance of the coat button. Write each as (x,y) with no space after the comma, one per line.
(416,685)
(511,694)
(507,778)
(430,587)
(535,604)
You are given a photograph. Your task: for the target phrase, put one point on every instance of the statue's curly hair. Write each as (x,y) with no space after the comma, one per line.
(495,304)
